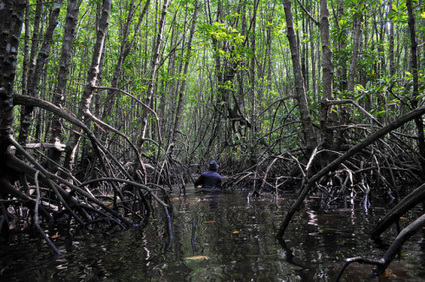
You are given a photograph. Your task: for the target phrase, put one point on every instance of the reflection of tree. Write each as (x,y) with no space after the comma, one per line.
(253,253)
(238,241)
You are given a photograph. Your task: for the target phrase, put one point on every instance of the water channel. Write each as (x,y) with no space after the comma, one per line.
(222,237)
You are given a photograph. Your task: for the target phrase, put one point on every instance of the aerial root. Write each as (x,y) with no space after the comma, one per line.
(391,252)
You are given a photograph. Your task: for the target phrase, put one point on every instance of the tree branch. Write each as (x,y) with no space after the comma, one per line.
(308,13)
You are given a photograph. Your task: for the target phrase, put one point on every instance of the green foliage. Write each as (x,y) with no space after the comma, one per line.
(398,13)
(260,61)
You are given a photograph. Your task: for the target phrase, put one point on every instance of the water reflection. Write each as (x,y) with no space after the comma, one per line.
(220,237)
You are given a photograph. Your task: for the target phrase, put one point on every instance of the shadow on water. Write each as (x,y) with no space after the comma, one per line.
(220,237)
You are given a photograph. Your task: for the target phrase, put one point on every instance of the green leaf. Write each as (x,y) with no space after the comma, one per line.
(359,87)
(394,7)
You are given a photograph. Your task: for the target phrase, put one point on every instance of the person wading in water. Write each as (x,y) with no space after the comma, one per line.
(210,179)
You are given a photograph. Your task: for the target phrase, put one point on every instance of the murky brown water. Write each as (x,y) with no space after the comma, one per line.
(222,237)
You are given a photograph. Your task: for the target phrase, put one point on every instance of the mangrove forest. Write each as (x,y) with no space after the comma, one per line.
(110,110)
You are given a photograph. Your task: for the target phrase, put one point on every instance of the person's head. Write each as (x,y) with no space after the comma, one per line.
(213,166)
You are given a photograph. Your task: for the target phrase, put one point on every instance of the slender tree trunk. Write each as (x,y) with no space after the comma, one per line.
(328,75)
(304,62)
(185,71)
(125,49)
(34,80)
(92,80)
(34,45)
(313,63)
(380,62)
(153,69)
(363,45)
(309,136)
(391,44)
(414,68)
(342,73)
(354,59)
(25,63)
(252,76)
(59,93)
(174,69)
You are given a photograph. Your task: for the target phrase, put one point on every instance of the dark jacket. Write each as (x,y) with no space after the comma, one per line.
(209,179)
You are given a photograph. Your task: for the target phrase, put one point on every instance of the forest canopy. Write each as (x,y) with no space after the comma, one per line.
(114,103)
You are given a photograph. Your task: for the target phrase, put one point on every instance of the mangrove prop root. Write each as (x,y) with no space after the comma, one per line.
(415,197)
(334,164)
(391,252)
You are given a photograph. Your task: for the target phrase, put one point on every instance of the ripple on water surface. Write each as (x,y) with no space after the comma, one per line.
(221,237)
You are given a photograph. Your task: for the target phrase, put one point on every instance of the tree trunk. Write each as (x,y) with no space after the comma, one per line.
(185,71)
(355,55)
(391,44)
(328,76)
(342,70)
(25,63)
(153,69)
(380,63)
(11,19)
(126,47)
(313,63)
(175,68)
(92,79)
(255,95)
(309,136)
(59,93)
(414,67)
(34,45)
(34,80)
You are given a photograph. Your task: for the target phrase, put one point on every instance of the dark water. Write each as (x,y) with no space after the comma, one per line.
(222,237)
